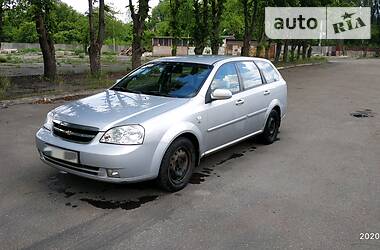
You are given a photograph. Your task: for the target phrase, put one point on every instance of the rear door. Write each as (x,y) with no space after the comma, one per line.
(254,91)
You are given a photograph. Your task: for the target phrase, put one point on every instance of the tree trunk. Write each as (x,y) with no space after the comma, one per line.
(1,21)
(278,52)
(216,11)
(310,49)
(174,9)
(174,47)
(298,51)
(47,47)
(304,48)
(249,25)
(246,45)
(267,50)
(96,44)
(138,19)
(136,47)
(292,50)
(201,26)
(286,48)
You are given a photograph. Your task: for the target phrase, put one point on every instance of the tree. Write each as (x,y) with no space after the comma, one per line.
(174,29)
(42,10)
(217,7)
(138,19)
(250,14)
(4,5)
(96,42)
(200,28)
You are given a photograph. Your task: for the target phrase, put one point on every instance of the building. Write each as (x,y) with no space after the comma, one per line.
(162,46)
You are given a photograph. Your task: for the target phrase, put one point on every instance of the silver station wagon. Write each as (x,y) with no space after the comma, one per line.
(162,118)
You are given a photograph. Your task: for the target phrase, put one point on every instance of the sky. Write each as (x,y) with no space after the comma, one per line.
(118,5)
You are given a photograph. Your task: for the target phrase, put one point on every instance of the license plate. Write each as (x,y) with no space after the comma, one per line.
(62,154)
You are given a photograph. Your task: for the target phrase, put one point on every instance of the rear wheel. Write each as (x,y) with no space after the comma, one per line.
(271,128)
(177,165)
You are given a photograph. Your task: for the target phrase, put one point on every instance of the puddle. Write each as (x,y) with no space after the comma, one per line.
(97,198)
(198,178)
(126,204)
(363,113)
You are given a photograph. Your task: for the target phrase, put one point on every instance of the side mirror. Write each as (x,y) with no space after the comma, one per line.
(221,94)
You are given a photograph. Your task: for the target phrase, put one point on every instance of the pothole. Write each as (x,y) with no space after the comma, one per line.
(363,113)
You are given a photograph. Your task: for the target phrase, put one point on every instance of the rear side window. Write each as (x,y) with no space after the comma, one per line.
(226,78)
(268,71)
(250,74)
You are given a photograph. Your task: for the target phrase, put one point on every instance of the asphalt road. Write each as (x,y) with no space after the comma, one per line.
(318,187)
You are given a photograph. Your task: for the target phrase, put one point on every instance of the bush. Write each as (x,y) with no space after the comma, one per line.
(3,59)
(29,50)
(4,85)
(107,53)
(78,51)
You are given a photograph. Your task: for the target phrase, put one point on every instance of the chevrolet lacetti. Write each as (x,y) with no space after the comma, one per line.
(159,120)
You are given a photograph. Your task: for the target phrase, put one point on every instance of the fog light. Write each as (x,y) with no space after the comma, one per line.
(113,173)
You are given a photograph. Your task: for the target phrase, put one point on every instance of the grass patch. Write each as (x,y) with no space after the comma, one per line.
(29,50)
(4,85)
(109,58)
(101,81)
(109,53)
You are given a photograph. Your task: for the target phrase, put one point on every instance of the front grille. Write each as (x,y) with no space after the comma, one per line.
(74,132)
(73,166)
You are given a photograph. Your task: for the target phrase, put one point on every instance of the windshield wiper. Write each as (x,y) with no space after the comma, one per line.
(127,90)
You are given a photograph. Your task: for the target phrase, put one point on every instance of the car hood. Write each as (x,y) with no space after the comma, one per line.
(112,108)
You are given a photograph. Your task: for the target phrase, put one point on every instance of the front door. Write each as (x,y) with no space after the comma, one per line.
(225,118)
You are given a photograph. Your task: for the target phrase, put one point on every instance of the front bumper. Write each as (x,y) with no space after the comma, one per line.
(133,162)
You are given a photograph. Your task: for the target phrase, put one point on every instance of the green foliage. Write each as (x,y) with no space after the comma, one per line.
(159,22)
(29,50)
(4,85)
(65,24)
(3,59)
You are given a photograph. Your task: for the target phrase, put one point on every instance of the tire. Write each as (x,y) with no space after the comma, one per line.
(271,128)
(177,165)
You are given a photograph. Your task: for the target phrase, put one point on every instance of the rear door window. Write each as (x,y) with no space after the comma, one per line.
(250,74)
(268,71)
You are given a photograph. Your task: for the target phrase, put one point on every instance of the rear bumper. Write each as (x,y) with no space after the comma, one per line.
(133,162)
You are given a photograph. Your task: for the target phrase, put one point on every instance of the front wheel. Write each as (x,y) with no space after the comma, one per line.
(271,128)
(177,165)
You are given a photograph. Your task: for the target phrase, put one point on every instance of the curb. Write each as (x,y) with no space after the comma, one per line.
(48,98)
(298,65)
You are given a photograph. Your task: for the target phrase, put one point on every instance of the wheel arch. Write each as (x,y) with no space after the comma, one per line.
(274,105)
(187,130)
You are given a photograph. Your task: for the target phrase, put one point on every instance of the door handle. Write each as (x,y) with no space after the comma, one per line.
(239,102)
(267,92)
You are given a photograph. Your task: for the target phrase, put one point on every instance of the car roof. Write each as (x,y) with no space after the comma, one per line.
(208,60)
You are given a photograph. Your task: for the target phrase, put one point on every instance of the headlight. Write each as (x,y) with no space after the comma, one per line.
(125,135)
(49,121)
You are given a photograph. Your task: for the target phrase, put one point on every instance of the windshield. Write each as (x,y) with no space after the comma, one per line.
(166,79)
